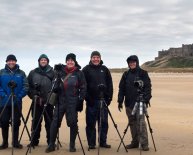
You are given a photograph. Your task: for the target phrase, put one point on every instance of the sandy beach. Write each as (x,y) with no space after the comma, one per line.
(171,118)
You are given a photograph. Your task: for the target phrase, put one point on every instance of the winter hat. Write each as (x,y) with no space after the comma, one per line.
(95,53)
(11,57)
(43,56)
(71,56)
(132,58)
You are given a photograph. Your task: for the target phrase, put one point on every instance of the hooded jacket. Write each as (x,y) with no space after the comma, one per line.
(19,77)
(127,91)
(43,79)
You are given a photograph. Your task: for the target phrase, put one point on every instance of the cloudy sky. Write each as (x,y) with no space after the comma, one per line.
(116,28)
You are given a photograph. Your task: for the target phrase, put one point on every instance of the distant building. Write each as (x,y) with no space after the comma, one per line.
(184,51)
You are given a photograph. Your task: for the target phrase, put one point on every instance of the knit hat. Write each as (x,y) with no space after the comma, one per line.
(71,56)
(11,57)
(95,53)
(43,56)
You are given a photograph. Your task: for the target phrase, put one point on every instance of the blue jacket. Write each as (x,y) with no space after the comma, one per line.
(19,77)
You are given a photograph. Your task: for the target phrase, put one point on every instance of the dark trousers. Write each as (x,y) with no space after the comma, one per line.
(5,120)
(48,116)
(92,116)
(71,119)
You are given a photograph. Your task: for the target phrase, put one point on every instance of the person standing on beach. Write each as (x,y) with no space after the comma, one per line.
(128,93)
(97,74)
(40,83)
(11,77)
(71,92)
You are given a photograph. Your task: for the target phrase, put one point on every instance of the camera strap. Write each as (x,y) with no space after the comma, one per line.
(67,76)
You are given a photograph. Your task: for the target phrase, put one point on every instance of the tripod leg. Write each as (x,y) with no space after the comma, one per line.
(26,120)
(4,107)
(115,125)
(23,119)
(124,133)
(32,138)
(59,143)
(25,125)
(12,120)
(80,142)
(100,123)
(151,132)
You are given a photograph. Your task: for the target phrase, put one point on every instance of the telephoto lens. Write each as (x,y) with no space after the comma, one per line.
(12,84)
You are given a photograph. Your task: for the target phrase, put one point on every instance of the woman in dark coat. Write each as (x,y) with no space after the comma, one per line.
(71,89)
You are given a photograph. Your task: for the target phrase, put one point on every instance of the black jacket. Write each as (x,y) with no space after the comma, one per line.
(128,92)
(40,80)
(73,89)
(96,75)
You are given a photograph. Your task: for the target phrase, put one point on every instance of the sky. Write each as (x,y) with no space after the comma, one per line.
(115,28)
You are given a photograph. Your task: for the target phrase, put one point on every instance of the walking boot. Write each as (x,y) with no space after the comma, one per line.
(5,132)
(145,148)
(73,133)
(132,145)
(16,143)
(50,148)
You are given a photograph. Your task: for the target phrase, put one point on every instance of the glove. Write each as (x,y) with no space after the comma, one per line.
(79,106)
(120,106)
(108,101)
(147,104)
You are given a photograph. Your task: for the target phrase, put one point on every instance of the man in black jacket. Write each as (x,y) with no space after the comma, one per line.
(40,83)
(96,74)
(129,93)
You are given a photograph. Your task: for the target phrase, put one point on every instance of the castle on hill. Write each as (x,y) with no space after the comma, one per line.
(184,51)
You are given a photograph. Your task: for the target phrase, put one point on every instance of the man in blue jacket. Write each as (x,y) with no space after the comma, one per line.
(11,73)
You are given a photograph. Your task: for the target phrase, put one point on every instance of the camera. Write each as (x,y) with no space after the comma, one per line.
(58,67)
(37,86)
(101,90)
(139,83)
(12,84)
(101,87)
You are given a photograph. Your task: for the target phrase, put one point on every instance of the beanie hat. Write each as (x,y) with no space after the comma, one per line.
(11,57)
(95,53)
(43,56)
(132,58)
(71,56)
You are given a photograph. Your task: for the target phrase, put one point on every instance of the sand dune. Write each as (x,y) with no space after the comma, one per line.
(171,117)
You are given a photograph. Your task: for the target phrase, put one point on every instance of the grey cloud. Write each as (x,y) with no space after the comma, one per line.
(117,28)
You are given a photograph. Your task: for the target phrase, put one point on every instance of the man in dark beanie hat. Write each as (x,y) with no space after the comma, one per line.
(11,57)
(128,93)
(95,53)
(11,72)
(96,74)
(40,83)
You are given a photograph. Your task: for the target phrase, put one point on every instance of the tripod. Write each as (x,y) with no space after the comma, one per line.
(44,110)
(140,109)
(80,142)
(12,85)
(103,104)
